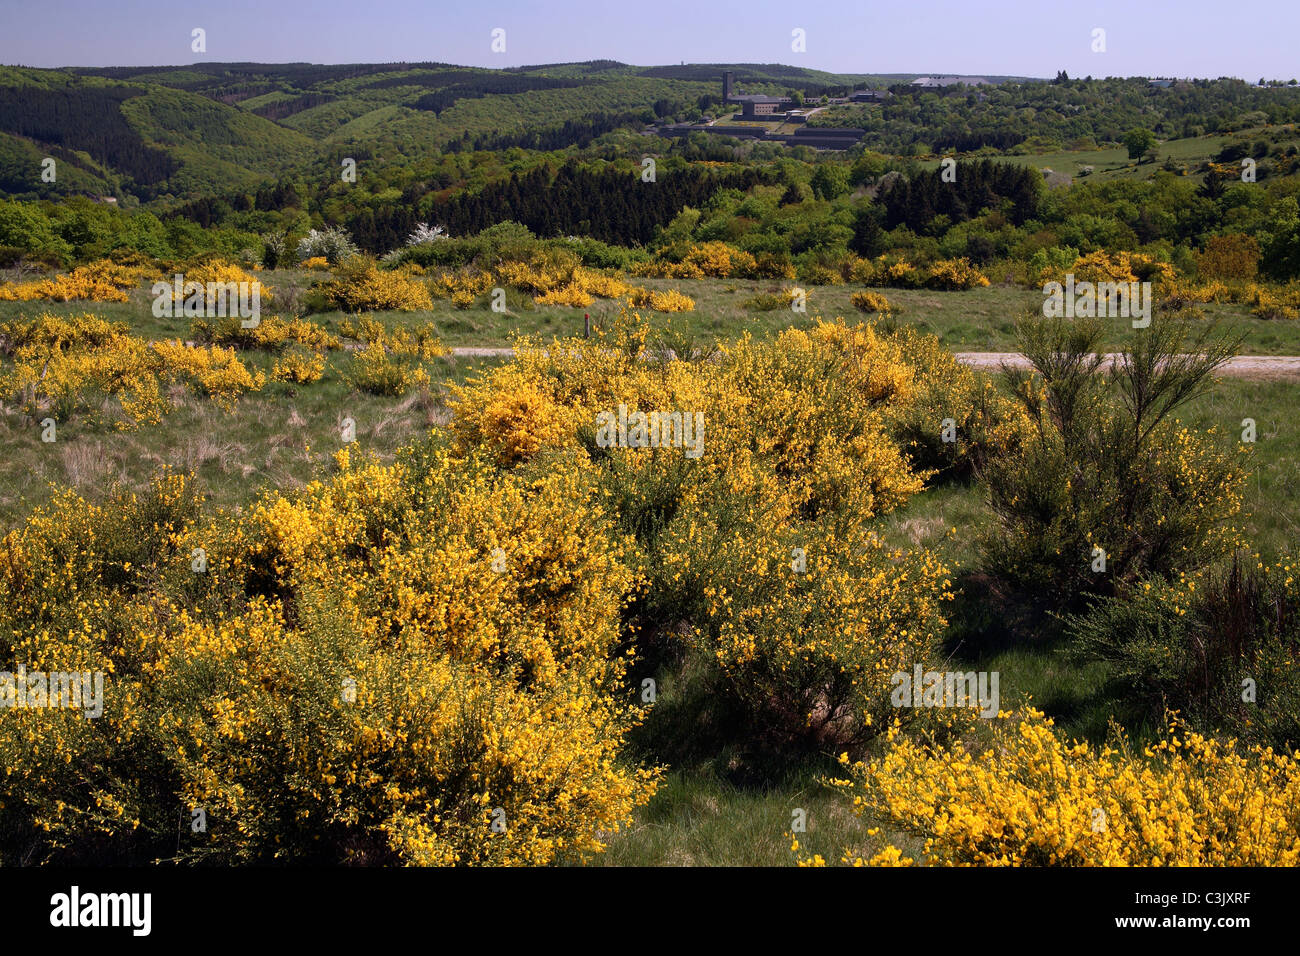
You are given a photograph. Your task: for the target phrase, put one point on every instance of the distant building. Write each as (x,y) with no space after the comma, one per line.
(755,105)
(1162,84)
(762,105)
(869,96)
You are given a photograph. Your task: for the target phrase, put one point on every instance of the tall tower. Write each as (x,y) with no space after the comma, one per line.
(726,86)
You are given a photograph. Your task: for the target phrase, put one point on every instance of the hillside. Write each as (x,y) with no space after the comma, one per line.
(161,132)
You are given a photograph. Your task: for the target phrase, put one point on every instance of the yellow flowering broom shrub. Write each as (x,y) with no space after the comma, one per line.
(361,286)
(376,370)
(413,663)
(299,366)
(512,421)
(272,333)
(101,281)
(809,625)
(871,302)
(218,274)
(1103,266)
(791,449)
(420,342)
(955,275)
(1029,798)
(956,417)
(63,367)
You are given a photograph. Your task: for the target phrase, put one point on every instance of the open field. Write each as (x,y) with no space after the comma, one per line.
(977,320)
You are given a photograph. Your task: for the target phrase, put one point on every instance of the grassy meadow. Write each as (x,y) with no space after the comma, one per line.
(707,811)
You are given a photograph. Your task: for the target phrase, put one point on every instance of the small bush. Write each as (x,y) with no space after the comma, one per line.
(872,302)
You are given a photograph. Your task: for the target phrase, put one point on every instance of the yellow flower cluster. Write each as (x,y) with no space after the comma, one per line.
(955,274)
(668,301)
(1272,305)
(871,302)
(361,286)
(1028,798)
(410,664)
(299,366)
(898,272)
(418,343)
(378,370)
(708,259)
(795,452)
(1265,301)
(461,287)
(571,295)
(315,262)
(66,365)
(1102,266)
(273,333)
(554,280)
(221,273)
(101,281)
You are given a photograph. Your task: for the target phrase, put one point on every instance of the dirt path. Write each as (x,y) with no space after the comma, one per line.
(1241,366)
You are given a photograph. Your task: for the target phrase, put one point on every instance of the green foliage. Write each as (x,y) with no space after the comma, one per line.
(1109,489)
(1219,647)
(830,181)
(1138,140)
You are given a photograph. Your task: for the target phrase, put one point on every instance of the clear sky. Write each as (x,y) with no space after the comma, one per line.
(1199,38)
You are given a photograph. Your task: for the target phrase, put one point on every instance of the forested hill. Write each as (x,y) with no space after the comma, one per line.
(166,135)
(184,132)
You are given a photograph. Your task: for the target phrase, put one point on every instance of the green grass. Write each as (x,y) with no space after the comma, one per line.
(712,808)
(278,439)
(1114,163)
(979,320)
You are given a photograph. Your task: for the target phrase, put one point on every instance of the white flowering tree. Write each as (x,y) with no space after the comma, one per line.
(331,243)
(426,233)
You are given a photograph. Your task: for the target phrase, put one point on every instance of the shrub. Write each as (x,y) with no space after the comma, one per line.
(871,302)
(67,366)
(809,652)
(956,275)
(667,301)
(1232,257)
(299,366)
(795,451)
(272,333)
(350,680)
(102,281)
(361,286)
(215,276)
(1030,798)
(1190,644)
(512,421)
(955,419)
(331,243)
(1109,488)
(416,343)
(373,369)
(571,295)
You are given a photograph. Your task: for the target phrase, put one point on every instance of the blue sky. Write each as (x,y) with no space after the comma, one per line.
(1202,38)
